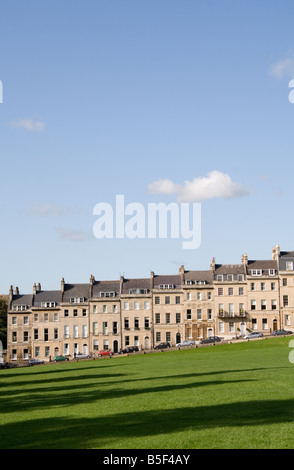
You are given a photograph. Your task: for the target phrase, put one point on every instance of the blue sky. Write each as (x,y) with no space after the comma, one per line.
(112,97)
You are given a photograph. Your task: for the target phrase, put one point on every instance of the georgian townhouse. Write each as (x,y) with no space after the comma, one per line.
(19,326)
(263,295)
(286,278)
(45,329)
(230,298)
(136,313)
(74,319)
(168,309)
(105,316)
(198,301)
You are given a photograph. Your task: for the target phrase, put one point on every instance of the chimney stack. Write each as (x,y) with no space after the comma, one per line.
(10,293)
(121,283)
(244,259)
(151,280)
(212,265)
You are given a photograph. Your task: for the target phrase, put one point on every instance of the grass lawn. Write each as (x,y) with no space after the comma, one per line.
(225,396)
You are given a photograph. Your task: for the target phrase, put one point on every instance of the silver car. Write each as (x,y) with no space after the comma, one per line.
(254,334)
(186,342)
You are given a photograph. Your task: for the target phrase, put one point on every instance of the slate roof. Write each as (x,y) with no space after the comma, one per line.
(26,299)
(106,286)
(199,276)
(167,279)
(264,265)
(229,269)
(128,284)
(47,296)
(76,291)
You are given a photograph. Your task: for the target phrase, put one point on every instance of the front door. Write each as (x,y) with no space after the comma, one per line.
(242,328)
(147,342)
(275,325)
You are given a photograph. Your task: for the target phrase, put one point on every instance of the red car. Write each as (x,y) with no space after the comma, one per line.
(105,353)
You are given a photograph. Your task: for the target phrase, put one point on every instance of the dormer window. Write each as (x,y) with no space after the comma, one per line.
(256,272)
(166,286)
(20,308)
(289,265)
(48,304)
(271,272)
(138,291)
(77,300)
(107,294)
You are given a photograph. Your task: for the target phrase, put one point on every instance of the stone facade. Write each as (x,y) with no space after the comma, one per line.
(226,300)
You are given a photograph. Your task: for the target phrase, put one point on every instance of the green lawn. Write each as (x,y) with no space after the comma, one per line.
(225,396)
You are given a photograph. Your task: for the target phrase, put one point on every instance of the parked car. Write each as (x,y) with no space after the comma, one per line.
(35,362)
(129,349)
(82,356)
(105,353)
(254,334)
(165,345)
(61,358)
(211,339)
(5,365)
(282,332)
(186,342)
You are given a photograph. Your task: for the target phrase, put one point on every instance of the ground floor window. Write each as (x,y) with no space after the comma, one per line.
(221,327)
(287,320)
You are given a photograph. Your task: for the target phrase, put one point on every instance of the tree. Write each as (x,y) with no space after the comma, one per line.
(3,321)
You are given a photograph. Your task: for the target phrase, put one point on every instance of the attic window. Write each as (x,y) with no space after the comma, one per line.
(138,291)
(107,294)
(289,265)
(20,308)
(77,300)
(256,272)
(272,272)
(166,286)
(48,304)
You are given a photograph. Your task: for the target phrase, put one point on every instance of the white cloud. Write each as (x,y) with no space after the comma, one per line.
(163,186)
(51,210)
(29,125)
(72,235)
(283,68)
(214,185)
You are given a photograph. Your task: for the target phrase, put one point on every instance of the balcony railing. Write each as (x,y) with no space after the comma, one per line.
(226,314)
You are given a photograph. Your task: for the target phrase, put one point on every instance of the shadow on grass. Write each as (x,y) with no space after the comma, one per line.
(111,431)
(91,392)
